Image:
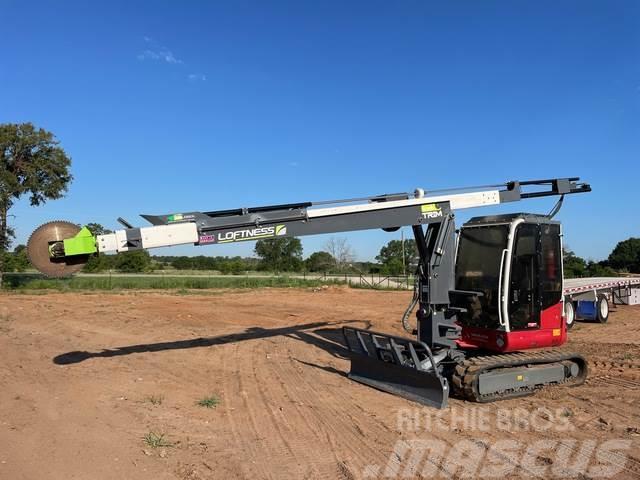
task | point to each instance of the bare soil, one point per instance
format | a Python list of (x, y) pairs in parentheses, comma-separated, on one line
[(85, 376)]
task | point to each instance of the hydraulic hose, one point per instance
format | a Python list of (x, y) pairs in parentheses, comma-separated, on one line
[(416, 296)]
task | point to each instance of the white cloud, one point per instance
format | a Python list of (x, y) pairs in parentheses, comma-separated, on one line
[(157, 52), (197, 77), (162, 55)]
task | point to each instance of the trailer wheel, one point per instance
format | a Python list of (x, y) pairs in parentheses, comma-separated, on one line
[(569, 313), (602, 309)]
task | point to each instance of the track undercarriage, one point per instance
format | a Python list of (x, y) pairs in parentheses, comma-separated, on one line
[(489, 378), (410, 369)]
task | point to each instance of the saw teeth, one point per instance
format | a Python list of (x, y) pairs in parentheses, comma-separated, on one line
[(38, 250)]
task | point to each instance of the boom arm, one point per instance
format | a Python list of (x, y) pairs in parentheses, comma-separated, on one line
[(388, 212)]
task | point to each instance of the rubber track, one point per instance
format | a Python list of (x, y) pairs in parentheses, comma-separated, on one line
[(467, 373)]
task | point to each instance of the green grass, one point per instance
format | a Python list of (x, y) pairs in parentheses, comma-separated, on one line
[(182, 284), (156, 440), (208, 402)]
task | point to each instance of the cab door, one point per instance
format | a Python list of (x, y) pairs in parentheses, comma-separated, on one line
[(524, 282)]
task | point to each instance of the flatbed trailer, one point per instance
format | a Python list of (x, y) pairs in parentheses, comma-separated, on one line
[(589, 298)]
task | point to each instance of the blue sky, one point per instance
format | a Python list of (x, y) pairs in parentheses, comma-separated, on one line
[(178, 106)]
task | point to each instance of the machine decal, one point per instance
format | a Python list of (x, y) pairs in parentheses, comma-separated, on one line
[(431, 210), (250, 234), (207, 239), (179, 217)]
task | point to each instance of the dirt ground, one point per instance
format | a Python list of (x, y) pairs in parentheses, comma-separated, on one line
[(84, 377)]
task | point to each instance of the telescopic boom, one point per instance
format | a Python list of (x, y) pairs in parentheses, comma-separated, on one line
[(60, 249)]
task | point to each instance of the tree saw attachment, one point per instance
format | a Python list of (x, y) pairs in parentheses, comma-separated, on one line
[(59, 249)]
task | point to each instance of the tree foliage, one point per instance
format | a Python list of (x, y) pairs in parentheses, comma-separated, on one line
[(234, 265), (626, 255), (99, 263), (574, 266), (97, 229), (577, 267), (135, 261), (391, 257), (280, 254), (16, 261), (32, 164), (320, 262)]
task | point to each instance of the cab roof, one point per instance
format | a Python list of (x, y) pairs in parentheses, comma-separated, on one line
[(510, 217)]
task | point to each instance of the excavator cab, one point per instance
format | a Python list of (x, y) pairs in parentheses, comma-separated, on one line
[(503, 282), (513, 264)]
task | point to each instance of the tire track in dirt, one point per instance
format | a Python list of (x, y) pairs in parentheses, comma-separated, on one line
[(273, 391), (334, 419), (271, 438), (234, 390), (279, 372)]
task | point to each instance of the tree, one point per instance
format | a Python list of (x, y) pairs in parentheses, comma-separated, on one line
[(391, 256), (182, 263), (99, 263), (97, 229), (280, 254), (135, 261), (574, 266), (340, 250), (320, 262), (626, 255), (32, 163), (600, 269), (16, 261)]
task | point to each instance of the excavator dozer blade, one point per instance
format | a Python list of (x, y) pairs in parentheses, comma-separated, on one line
[(395, 365), (48, 238)]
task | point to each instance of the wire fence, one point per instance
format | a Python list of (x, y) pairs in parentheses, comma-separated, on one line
[(366, 280)]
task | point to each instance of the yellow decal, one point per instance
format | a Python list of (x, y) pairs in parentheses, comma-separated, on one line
[(556, 332), (429, 207), (520, 378)]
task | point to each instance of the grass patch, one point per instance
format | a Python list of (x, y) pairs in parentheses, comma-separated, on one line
[(155, 399), (182, 285), (156, 440), (208, 402)]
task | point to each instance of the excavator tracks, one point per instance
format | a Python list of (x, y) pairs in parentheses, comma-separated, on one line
[(498, 377)]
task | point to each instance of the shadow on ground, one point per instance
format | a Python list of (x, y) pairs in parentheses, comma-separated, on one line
[(325, 335)]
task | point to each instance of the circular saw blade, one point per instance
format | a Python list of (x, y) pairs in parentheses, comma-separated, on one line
[(38, 250)]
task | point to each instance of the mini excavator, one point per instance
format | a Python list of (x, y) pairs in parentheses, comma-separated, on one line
[(488, 297)]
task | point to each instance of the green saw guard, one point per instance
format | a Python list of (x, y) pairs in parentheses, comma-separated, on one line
[(84, 243)]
